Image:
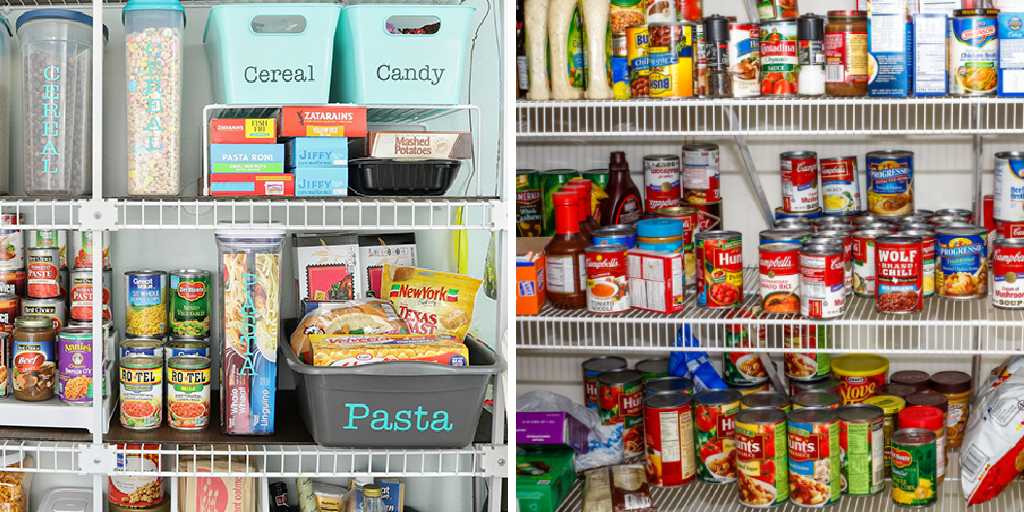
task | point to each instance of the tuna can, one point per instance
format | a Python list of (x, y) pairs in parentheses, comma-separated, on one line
[(43, 272), (914, 469), (961, 269), (766, 399), (652, 368), (890, 182), (720, 269), (817, 398), (669, 384), (822, 270), (799, 181), (189, 314), (637, 38), (49, 238), (899, 271), (701, 174), (780, 61), (187, 347), (622, 234), (56, 309), (142, 392), (607, 287), (891, 407), (9, 310), (840, 184), (1008, 273), (81, 294), (661, 182), (592, 368), (780, 277), (846, 236), (807, 366), (761, 457), (709, 215), (668, 433), (862, 441), (794, 236), (814, 457), (12, 280), (620, 399), (188, 392), (826, 383), (864, 261), (1008, 199), (973, 52), (745, 59), (714, 412)]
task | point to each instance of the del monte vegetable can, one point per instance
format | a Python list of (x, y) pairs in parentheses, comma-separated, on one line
[(761, 457), (914, 471), (715, 428), (190, 303)]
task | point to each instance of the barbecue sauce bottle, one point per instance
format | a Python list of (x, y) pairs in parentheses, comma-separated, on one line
[(587, 223), (564, 259), (624, 203)]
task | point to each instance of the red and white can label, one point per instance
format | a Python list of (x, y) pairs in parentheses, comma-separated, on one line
[(864, 266), (43, 275), (607, 279), (701, 177), (821, 285), (661, 182), (1006, 229), (840, 187), (780, 276), (668, 435), (899, 271), (800, 184), (1008, 276)]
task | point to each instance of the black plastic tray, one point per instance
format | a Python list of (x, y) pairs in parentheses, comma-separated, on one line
[(386, 177)]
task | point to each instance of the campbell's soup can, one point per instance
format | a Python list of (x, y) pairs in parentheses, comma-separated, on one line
[(1006, 229), (961, 267), (719, 269), (927, 257), (899, 274), (661, 182), (1008, 273), (840, 184), (800, 181), (607, 274), (620, 399), (1008, 199), (81, 294), (43, 273), (822, 292), (745, 59), (780, 277), (12, 241), (668, 434), (846, 236), (701, 174), (890, 177)]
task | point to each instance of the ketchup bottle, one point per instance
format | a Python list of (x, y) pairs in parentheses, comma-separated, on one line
[(564, 260), (624, 204), (587, 223)]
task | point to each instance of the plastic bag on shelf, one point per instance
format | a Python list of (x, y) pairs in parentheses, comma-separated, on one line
[(604, 442), (991, 456), (693, 365)]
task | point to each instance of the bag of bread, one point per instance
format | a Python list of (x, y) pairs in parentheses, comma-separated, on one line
[(364, 316), (991, 455), (431, 302)]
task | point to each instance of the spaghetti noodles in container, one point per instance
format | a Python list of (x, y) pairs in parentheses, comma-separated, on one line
[(250, 312)]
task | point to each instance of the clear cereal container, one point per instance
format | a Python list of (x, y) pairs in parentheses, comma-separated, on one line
[(153, 68), (5, 102), (15, 484), (56, 53)]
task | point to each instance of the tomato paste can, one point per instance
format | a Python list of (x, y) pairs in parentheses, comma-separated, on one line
[(12, 241), (55, 308), (668, 434), (800, 181), (826, 383), (592, 368), (961, 267), (43, 272), (709, 215), (690, 218), (846, 236), (49, 238), (745, 59), (81, 294), (607, 287), (859, 375), (719, 269), (793, 236), (927, 257), (744, 366), (714, 412), (840, 184), (914, 467), (822, 292), (661, 182), (12, 280), (780, 61), (807, 366), (701, 174), (637, 38), (1008, 199), (862, 441), (1008, 273), (973, 52), (864, 261), (761, 457), (817, 398), (899, 273), (890, 182), (620, 399), (780, 277), (766, 399), (670, 384), (814, 457), (623, 234)]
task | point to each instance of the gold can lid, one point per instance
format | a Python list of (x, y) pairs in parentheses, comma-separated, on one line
[(373, 491)]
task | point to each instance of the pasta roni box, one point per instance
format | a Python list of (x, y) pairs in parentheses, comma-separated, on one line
[(1011, 54), (929, 54), (247, 158), (888, 60), (252, 184)]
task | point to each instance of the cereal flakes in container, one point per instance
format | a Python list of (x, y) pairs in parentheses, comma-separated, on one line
[(15, 485)]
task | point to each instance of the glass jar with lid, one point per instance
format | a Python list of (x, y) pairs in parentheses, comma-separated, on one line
[(33, 361), (846, 54)]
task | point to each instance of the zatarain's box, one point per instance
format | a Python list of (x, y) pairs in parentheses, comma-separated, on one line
[(323, 121)]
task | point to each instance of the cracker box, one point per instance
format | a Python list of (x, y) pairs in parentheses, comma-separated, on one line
[(543, 479), (243, 131), (247, 158), (451, 145), (323, 121), (655, 280), (252, 184), (375, 251), (316, 152), (325, 266), (321, 181)]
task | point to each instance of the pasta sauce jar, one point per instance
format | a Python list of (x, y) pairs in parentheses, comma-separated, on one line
[(899, 274), (846, 53)]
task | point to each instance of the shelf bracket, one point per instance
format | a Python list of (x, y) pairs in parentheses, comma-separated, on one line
[(98, 214), (493, 459), (748, 163), (499, 216), (97, 459)]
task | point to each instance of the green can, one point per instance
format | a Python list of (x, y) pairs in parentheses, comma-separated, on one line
[(653, 368), (529, 210), (862, 448), (598, 177), (913, 467), (190, 303), (552, 181)]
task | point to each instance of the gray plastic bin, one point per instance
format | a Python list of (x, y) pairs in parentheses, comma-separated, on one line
[(395, 404)]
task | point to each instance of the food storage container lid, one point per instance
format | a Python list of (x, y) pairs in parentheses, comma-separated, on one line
[(860, 365), (251, 234), (7, 25), (659, 227), (33, 322), (153, 5), (11, 459), (58, 14), (951, 383), (67, 500)]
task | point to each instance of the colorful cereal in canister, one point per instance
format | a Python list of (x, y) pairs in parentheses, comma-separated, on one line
[(719, 269), (862, 442), (961, 271), (716, 447), (591, 369), (761, 457), (913, 467), (780, 277), (1008, 273), (142, 392), (146, 302), (814, 458), (859, 375), (74, 365), (890, 182), (188, 392), (620, 397), (668, 434), (154, 113), (190, 303)]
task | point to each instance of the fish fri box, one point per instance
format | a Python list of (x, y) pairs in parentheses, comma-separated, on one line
[(252, 184), (315, 152), (449, 145), (375, 251), (655, 280), (323, 121), (247, 158), (888, 59), (1011, 54), (325, 266), (930, 54), (243, 131), (321, 181)]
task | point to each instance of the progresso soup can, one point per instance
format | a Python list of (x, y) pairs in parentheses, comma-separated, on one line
[(890, 182), (814, 457), (973, 52), (961, 267)]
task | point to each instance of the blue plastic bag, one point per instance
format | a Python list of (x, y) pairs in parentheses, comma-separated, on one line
[(693, 365)]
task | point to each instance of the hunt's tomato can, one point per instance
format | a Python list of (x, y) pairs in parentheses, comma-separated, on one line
[(800, 181), (1008, 273), (822, 274), (899, 272), (620, 397), (607, 287), (859, 375), (719, 269), (840, 184), (780, 277), (761, 457), (592, 368), (668, 432), (814, 457), (716, 432), (661, 182)]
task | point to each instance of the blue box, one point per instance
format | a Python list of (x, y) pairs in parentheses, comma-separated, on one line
[(321, 181), (1011, 54), (929, 65), (316, 152), (247, 158), (887, 48)]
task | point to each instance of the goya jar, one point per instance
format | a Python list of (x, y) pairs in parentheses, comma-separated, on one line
[(859, 375), (846, 53)]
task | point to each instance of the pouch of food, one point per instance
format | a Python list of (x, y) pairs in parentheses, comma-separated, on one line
[(622, 488), (991, 455), (431, 302), (364, 316)]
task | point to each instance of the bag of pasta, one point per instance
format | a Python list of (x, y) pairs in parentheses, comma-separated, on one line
[(364, 316), (431, 302)]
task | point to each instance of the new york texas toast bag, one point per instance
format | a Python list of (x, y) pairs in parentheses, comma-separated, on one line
[(431, 302), (991, 455)]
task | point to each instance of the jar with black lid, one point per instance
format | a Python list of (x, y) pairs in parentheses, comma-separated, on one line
[(716, 51)]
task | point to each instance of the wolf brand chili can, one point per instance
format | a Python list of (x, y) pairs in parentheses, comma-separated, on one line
[(961, 269), (780, 277), (142, 392), (607, 286), (701, 174), (670, 384), (862, 442), (637, 39), (189, 314), (714, 412), (620, 396), (973, 52), (864, 261), (1008, 199), (43, 273), (806, 366), (927, 257), (840, 184), (817, 398), (592, 368), (859, 375), (623, 234), (838, 232), (49, 238), (890, 182), (814, 457), (55, 309), (719, 269), (188, 392), (1008, 273), (899, 270), (761, 457), (780, 61), (661, 181), (745, 58), (914, 468), (821, 282), (668, 432), (799, 180), (81, 294)]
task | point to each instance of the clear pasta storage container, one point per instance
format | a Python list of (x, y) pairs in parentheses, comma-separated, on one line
[(250, 315)]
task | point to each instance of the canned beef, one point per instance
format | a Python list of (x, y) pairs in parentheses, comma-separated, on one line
[(761, 457), (591, 369), (607, 289), (81, 294), (668, 434), (840, 185), (661, 181), (43, 273), (961, 269), (720, 269), (799, 181), (1008, 200), (780, 277), (715, 428), (821, 282), (620, 397), (890, 182), (701, 174), (1008, 273), (814, 457), (864, 261), (900, 274), (862, 440), (806, 366)]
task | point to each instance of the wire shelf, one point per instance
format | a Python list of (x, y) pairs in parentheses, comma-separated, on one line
[(942, 327)]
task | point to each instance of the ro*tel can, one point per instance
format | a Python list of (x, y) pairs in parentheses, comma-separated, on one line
[(914, 469), (927, 256), (862, 440), (607, 275), (780, 277), (814, 457), (822, 293), (864, 261), (620, 397), (188, 392), (761, 457), (719, 269), (142, 390), (189, 315), (661, 181), (623, 234), (859, 375), (840, 184), (716, 432), (1008, 200), (668, 432), (1008, 273), (799, 181), (961, 269), (899, 271), (701, 174), (890, 182), (592, 368)]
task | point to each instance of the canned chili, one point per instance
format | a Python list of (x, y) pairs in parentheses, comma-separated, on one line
[(780, 277), (607, 275), (661, 182), (826, 383), (720, 269), (847, 238), (81, 294), (622, 234), (591, 369), (914, 467), (927, 256), (769, 399), (859, 375), (814, 457), (822, 271), (13, 281), (761, 457), (668, 434), (961, 269), (899, 270), (714, 417), (806, 366), (840, 185), (43, 272), (864, 280), (701, 174), (670, 384), (188, 392), (786, 235), (799, 180), (744, 367), (817, 398), (142, 392), (890, 182), (620, 396), (1008, 273), (862, 440)]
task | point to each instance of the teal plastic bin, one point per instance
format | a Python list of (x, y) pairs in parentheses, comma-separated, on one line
[(376, 66), (271, 53)]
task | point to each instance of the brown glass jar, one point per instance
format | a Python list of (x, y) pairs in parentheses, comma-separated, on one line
[(846, 54), (956, 387), (33, 358)]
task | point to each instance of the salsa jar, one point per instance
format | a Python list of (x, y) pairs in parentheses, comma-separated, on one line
[(846, 53)]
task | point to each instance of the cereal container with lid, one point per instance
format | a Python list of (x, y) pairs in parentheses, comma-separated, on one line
[(5, 101), (153, 69)]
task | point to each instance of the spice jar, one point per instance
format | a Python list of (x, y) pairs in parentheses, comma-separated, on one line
[(35, 368), (891, 407), (956, 386), (716, 52), (846, 53), (663, 235), (930, 419), (15, 484), (810, 34)]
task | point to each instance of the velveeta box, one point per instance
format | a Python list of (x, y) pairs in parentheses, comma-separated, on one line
[(323, 121)]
